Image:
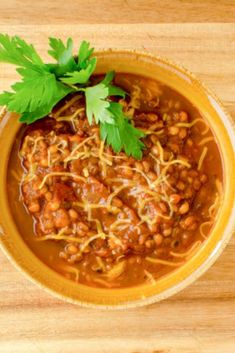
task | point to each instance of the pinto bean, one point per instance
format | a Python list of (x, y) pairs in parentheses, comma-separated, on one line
[(34, 207), (175, 198), (61, 218), (184, 208)]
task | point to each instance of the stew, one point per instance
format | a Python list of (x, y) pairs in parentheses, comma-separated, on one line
[(106, 219)]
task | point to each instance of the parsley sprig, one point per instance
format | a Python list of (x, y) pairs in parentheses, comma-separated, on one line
[(43, 85)]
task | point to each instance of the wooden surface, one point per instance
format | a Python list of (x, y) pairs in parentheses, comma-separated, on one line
[(200, 319)]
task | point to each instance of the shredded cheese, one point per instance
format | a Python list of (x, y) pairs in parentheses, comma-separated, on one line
[(119, 222), (189, 252), (67, 105), (150, 277), (61, 174), (91, 239), (202, 157), (70, 269), (70, 117), (207, 223), (111, 196), (152, 132), (103, 163), (59, 237), (137, 171), (87, 206), (164, 262), (206, 140), (195, 121)]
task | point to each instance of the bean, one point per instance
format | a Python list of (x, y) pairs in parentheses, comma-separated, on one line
[(153, 138), (66, 152), (44, 162), (152, 117), (163, 207), (48, 223), (138, 259), (63, 255), (158, 238), (42, 144), (193, 173), (48, 196), (173, 130), (139, 166), (189, 142), (83, 226), (142, 239), (188, 193), (43, 191), (146, 166), (180, 185), (167, 232), (54, 205), (75, 138), (203, 178), (73, 214), (152, 227), (196, 184), (186, 237), (184, 208), (183, 133), (34, 207), (174, 147), (61, 218), (53, 149), (183, 116), (190, 180), (71, 249), (125, 172), (149, 243), (155, 150), (152, 176), (183, 174), (189, 221), (175, 198), (117, 202)]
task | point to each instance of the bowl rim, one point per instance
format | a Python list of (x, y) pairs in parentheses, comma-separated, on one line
[(204, 265)]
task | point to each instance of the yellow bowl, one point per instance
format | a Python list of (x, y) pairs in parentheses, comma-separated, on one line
[(220, 122)]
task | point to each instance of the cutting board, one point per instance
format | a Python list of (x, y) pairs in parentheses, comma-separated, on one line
[(200, 319)]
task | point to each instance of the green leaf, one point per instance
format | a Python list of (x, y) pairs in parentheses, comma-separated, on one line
[(14, 50), (38, 89), (121, 134), (82, 76), (96, 105), (113, 90), (5, 98), (63, 54), (116, 91), (44, 110), (108, 78), (84, 54)]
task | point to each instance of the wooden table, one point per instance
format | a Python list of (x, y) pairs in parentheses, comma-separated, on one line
[(200, 319)]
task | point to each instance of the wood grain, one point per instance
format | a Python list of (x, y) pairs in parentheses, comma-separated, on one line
[(200, 319), (117, 11)]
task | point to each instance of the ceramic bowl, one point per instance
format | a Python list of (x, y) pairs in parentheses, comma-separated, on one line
[(220, 122)]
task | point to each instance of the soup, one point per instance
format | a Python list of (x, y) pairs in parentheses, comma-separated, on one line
[(106, 219)]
